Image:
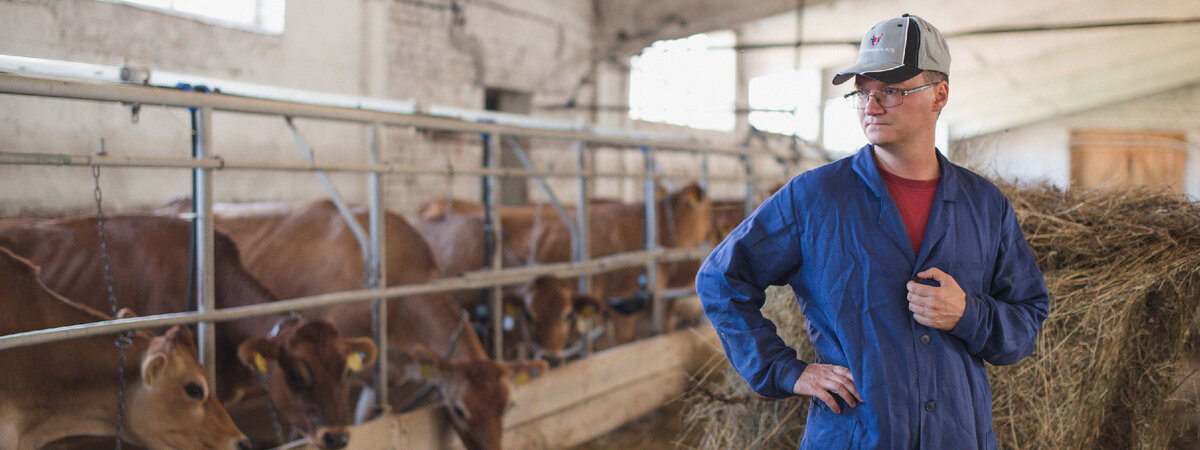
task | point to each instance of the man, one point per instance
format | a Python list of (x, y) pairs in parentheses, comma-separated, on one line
[(911, 271)]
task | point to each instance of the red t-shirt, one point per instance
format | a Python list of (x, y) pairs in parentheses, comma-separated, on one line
[(915, 199)]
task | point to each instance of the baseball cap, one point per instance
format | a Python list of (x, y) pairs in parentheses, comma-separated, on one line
[(898, 49)]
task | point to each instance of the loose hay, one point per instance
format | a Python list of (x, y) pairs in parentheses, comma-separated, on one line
[(1123, 269)]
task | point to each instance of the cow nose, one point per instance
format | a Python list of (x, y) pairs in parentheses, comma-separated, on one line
[(554, 360), (336, 440), (244, 444)]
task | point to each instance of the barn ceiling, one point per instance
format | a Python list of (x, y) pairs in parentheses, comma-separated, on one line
[(1015, 62)]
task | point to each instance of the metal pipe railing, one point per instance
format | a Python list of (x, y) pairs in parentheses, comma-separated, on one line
[(376, 114), (145, 95), (472, 280), (216, 162), (375, 267), (205, 269)]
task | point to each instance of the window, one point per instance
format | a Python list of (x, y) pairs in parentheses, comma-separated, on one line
[(787, 103), (683, 82), (262, 16)]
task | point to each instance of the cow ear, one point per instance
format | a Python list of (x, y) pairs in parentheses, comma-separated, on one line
[(359, 352), (256, 353), (152, 368), (525, 371), (428, 363), (586, 306), (512, 303), (695, 193), (416, 363)]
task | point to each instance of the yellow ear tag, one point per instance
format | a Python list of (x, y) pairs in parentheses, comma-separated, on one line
[(260, 363), (355, 361), (587, 312), (427, 371), (510, 310), (521, 379), (150, 379)]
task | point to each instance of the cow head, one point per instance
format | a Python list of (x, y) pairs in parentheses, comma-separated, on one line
[(685, 218), (475, 393), (551, 311), (306, 365), (172, 406)]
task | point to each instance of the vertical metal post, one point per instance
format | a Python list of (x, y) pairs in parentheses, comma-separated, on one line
[(376, 268), (580, 249), (748, 201), (651, 203), (203, 230), (492, 236)]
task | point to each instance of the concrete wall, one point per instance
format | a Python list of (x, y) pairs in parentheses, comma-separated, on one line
[(1041, 152), (422, 51), (322, 49)]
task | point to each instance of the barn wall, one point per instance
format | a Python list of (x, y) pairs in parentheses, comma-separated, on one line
[(1041, 152), (422, 51), (320, 50)]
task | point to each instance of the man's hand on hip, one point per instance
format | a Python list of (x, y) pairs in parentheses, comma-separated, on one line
[(937, 307), (823, 381)]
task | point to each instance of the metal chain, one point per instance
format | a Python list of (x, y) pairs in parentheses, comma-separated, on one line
[(123, 340), (274, 415)]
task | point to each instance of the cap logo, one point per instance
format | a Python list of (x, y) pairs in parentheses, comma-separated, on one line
[(875, 39)]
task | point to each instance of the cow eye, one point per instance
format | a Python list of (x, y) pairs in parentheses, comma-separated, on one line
[(459, 412), (194, 390), (297, 379)]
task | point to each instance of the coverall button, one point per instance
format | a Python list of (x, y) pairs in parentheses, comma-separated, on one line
[(925, 339), (930, 405)]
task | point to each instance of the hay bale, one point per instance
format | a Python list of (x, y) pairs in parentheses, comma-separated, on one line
[(1123, 270)]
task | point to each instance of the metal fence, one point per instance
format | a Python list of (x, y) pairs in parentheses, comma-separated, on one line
[(86, 82)]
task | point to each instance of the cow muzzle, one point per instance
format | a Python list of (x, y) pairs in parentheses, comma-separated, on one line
[(332, 438)]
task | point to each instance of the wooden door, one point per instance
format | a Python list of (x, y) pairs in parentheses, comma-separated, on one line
[(1128, 158)]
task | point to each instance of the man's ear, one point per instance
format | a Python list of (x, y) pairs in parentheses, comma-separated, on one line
[(941, 95), (359, 352), (257, 353)]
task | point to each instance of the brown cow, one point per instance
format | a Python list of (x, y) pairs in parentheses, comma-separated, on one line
[(538, 234), (539, 318), (304, 249), (727, 215), (303, 362), (68, 388)]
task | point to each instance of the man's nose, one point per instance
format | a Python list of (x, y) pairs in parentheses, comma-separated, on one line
[(873, 106)]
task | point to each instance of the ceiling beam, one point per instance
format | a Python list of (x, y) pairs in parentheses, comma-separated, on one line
[(1096, 73)]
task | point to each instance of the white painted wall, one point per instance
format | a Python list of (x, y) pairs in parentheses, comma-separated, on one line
[(1041, 151), (320, 50), (401, 50)]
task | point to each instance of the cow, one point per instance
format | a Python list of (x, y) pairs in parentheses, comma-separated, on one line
[(306, 248), (56, 390), (299, 364), (727, 215), (540, 317), (537, 234)]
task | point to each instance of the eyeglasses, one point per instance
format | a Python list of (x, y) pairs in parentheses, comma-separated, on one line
[(888, 97)]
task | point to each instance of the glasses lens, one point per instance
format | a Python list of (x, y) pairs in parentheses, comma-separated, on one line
[(857, 99), (889, 97)]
